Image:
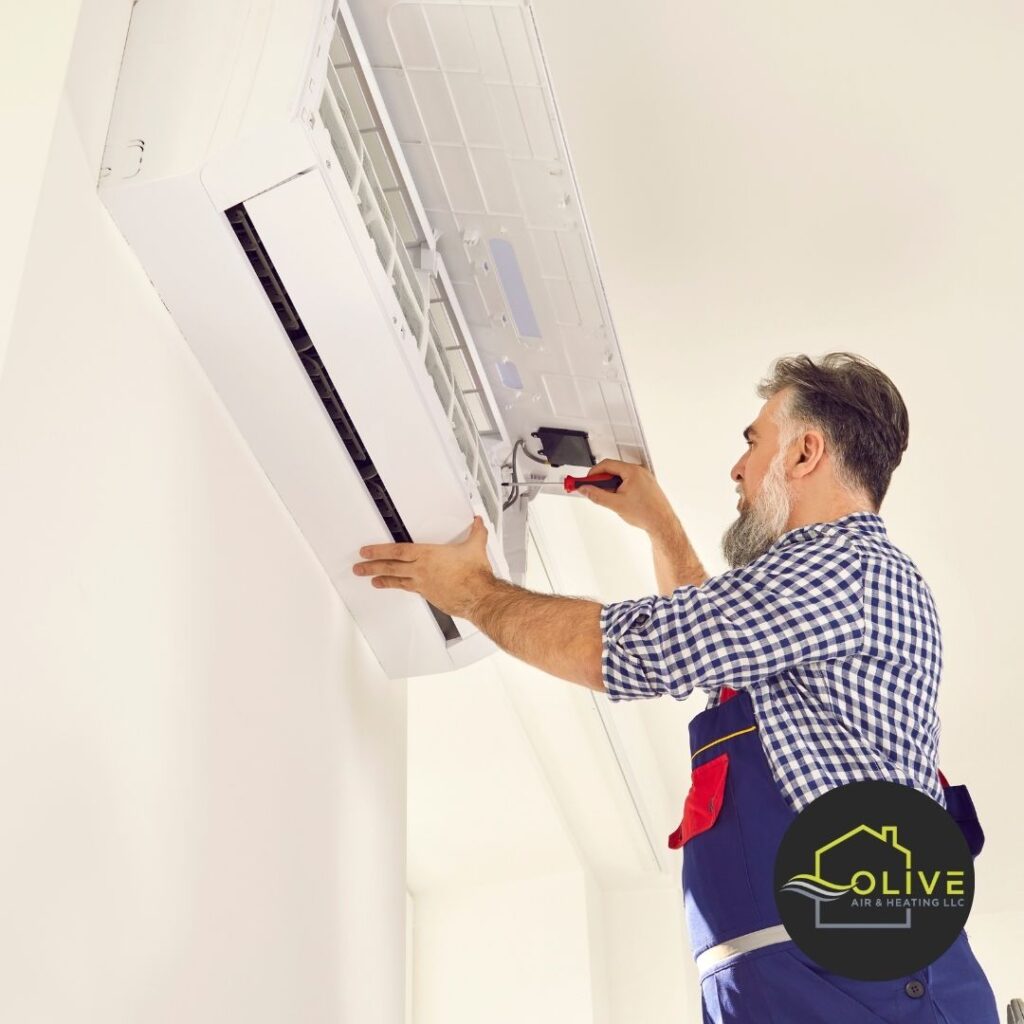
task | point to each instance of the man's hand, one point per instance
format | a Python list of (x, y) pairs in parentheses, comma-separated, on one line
[(639, 501), (560, 635), (452, 577)]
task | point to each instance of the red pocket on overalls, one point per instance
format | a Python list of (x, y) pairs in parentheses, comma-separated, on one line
[(703, 802)]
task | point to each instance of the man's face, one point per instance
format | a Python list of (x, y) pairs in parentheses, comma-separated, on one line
[(765, 497)]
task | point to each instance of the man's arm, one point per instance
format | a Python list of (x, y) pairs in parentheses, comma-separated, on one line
[(675, 562), (559, 635), (641, 502), (797, 603)]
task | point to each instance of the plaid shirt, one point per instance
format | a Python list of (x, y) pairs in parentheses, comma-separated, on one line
[(834, 634)]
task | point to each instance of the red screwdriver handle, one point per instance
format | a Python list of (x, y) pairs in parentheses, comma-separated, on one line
[(606, 481)]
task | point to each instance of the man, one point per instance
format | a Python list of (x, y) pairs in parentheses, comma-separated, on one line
[(820, 653)]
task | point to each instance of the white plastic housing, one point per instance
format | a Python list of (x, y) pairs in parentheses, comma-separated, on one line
[(219, 104)]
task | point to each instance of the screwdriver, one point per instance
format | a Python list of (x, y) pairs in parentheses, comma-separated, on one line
[(606, 481)]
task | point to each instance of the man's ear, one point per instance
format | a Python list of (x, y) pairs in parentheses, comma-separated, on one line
[(810, 452)]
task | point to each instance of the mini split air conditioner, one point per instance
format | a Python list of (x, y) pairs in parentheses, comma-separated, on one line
[(365, 223)]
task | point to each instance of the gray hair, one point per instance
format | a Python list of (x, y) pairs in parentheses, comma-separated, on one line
[(855, 406)]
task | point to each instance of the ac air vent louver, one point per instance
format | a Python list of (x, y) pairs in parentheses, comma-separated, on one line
[(313, 365)]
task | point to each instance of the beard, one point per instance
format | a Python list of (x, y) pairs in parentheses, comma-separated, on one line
[(763, 521)]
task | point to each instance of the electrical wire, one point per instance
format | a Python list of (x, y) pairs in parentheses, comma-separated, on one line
[(514, 496)]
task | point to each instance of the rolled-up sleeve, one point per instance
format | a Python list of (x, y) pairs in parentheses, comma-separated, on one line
[(797, 603)]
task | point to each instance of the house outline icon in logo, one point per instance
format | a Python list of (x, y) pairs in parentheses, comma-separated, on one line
[(816, 886)]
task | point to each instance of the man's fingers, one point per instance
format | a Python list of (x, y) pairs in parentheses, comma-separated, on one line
[(399, 552), (390, 567), (597, 494), (629, 471), (476, 529), (611, 466), (392, 582)]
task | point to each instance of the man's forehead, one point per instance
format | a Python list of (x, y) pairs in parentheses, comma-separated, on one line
[(760, 426)]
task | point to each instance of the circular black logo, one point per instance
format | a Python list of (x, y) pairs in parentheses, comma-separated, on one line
[(874, 880)]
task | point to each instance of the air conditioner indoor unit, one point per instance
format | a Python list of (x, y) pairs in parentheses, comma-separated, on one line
[(364, 220)]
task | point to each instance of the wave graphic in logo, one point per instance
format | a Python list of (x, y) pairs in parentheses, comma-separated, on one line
[(815, 888)]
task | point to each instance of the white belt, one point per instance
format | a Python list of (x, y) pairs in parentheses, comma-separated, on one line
[(741, 944)]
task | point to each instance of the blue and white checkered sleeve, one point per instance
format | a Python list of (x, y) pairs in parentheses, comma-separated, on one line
[(798, 603)]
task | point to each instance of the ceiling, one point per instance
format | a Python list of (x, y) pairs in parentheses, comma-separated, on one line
[(802, 177)]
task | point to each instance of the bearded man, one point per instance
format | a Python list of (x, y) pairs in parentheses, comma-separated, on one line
[(820, 654)]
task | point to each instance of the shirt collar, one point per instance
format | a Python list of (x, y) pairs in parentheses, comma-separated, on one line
[(869, 523)]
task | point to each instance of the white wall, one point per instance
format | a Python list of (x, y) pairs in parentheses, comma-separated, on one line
[(651, 975), (34, 47), (203, 769), (998, 942), (506, 952), (553, 949)]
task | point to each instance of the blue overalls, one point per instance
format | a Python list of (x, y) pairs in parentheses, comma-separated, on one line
[(733, 822)]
